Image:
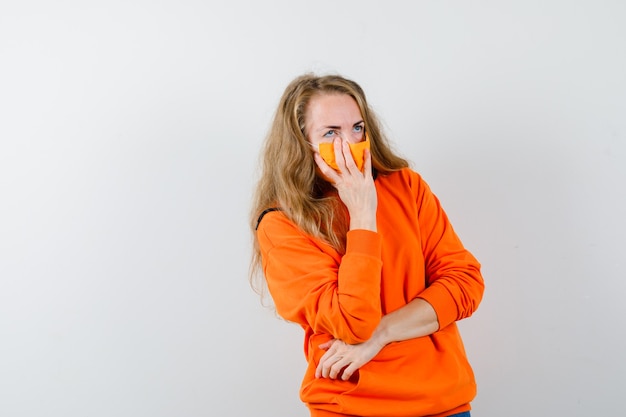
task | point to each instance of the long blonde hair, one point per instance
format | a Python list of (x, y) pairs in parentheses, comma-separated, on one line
[(288, 177)]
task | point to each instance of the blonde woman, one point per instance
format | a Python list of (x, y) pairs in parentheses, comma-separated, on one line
[(356, 249)]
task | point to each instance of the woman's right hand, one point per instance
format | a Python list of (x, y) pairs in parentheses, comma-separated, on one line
[(356, 189)]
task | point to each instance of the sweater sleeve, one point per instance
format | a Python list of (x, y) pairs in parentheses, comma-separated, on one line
[(454, 284), (314, 286)]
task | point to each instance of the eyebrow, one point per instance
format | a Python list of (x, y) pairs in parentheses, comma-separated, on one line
[(339, 127)]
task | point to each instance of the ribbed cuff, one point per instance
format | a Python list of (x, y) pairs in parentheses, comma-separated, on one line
[(365, 242), (442, 301)]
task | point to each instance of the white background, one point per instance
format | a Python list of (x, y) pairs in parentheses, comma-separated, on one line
[(129, 137)]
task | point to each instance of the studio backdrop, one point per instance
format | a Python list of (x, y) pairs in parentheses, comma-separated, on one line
[(129, 141)]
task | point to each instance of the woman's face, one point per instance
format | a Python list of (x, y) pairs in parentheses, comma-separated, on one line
[(329, 116)]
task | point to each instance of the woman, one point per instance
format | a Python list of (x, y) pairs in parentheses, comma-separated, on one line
[(356, 249)]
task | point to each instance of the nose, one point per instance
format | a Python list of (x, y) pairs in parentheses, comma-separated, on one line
[(352, 137)]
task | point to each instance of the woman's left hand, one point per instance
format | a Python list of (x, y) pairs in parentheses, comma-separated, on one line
[(342, 360)]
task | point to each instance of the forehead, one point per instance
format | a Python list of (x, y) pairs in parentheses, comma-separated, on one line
[(332, 109)]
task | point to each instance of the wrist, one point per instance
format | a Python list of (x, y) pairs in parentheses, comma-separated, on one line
[(380, 337), (366, 223)]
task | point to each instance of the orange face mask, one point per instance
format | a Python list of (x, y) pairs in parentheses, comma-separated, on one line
[(327, 152)]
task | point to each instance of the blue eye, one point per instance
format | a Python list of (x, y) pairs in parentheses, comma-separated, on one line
[(329, 133), (358, 129)]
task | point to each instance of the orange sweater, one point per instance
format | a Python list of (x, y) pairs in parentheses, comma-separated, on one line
[(415, 253)]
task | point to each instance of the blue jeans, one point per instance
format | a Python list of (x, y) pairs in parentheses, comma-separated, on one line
[(465, 414)]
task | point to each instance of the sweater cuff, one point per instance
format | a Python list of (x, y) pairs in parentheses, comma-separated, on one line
[(442, 302), (364, 241)]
